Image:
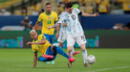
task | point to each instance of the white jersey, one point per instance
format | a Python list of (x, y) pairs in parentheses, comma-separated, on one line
[(73, 24), (62, 32), (73, 32)]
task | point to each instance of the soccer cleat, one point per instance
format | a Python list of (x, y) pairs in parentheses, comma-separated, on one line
[(71, 60), (48, 56), (76, 52)]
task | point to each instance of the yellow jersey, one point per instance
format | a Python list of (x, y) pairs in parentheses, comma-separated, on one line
[(48, 20), (41, 48)]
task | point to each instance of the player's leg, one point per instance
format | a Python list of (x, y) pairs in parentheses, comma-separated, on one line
[(48, 56), (81, 40), (61, 38), (56, 50), (84, 54), (52, 37), (60, 41), (73, 52), (49, 38), (43, 59), (60, 51), (70, 44)]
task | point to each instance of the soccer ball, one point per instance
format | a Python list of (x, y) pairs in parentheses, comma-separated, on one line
[(91, 59)]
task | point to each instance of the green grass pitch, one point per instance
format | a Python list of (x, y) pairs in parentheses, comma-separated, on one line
[(107, 60)]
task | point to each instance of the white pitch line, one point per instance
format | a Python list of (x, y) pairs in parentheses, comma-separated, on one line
[(111, 68)]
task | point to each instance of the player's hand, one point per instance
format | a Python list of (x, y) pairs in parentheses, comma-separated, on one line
[(96, 14), (57, 35), (29, 43), (64, 24), (50, 27)]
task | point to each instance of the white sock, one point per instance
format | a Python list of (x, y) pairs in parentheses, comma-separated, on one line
[(84, 54)]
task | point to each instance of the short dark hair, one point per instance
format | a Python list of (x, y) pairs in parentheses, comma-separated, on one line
[(48, 3), (68, 5)]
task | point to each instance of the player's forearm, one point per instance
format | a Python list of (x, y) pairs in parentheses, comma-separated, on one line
[(36, 25), (64, 24), (39, 43), (54, 26), (87, 14)]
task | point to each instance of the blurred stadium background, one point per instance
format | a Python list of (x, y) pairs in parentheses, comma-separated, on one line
[(105, 33), (109, 30)]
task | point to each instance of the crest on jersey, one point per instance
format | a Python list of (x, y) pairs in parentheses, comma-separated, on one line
[(73, 17)]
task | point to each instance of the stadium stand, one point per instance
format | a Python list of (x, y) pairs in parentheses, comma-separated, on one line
[(32, 7)]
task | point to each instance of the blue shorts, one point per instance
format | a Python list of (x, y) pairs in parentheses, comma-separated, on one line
[(50, 51), (50, 38)]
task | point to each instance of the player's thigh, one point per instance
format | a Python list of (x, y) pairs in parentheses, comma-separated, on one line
[(52, 38), (61, 38), (49, 51), (81, 40), (70, 41)]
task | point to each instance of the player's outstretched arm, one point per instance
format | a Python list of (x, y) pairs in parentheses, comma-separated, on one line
[(88, 14), (64, 24), (54, 26), (35, 59), (43, 41), (35, 27)]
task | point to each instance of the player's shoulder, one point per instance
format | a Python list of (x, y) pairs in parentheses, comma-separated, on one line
[(76, 10), (42, 14), (53, 12), (40, 36), (63, 14)]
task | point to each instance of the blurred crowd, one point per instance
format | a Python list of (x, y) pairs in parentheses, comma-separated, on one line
[(33, 7)]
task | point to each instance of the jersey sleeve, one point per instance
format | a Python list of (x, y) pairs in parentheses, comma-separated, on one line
[(56, 16), (40, 18), (76, 10), (34, 48), (62, 18)]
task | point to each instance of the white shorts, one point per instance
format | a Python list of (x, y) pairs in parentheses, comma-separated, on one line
[(62, 37), (71, 40)]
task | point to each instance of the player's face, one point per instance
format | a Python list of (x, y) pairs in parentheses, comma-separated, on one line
[(34, 35), (69, 10), (48, 8)]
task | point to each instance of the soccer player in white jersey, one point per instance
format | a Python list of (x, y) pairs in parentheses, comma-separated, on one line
[(71, 30), (61, 33), (74, 30)]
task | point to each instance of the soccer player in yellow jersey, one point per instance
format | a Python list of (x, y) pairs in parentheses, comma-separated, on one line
[(47, 50), (48, 18)]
